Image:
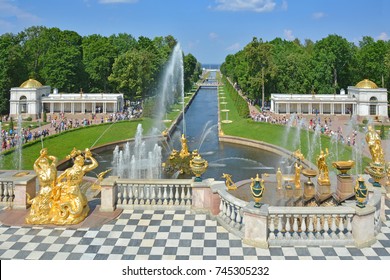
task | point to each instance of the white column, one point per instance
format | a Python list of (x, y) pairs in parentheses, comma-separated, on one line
[(321, 108), (83, 107), (343, 108), (62, 107), (72, 107), (104, 108), (51, 108)]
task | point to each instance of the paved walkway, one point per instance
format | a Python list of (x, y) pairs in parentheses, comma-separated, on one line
[(165, 235)]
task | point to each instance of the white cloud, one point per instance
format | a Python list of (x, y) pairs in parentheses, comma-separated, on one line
[(12, 17), (288, 34), (258, 6), (383, 36), (117, 1), (234, 47), (213, 36), (318, 15), (9, 10)]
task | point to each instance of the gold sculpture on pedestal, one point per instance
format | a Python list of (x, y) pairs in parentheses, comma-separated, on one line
[(279, 179), (298, 168), (229, 182), (376, 168), (323, 171), (60, 200), (184, 147), (47, 176)]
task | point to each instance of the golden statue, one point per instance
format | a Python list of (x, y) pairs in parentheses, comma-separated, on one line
[(47, 175), (297, 176), (374, 144), (323, 171), (184, 148), (70, 206), (229, 182), (279, 178), (298, 155)]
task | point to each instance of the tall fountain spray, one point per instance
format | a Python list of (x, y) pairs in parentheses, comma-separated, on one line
[(171, 88), (142, 159)]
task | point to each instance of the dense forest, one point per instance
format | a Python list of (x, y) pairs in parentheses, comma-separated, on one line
[(69, 62), (325, 66)]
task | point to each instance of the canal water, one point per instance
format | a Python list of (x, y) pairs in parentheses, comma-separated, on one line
[(201, 120)]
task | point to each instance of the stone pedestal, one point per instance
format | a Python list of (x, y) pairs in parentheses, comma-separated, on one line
[(256, 225), (22, 187), (108, 194), (323, 190), (204, 197), (309, 190), (345, 187), (362, 226)]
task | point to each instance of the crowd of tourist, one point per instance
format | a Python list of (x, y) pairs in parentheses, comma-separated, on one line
[(315, 123), (60, 122)]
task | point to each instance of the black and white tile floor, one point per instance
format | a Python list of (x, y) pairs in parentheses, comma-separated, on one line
[(165, 235)]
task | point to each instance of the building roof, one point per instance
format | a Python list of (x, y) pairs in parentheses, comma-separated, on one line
[(31, 83), (366, 83)]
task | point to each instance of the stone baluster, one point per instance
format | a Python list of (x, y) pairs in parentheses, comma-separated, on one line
[(233, 215), (341, 227), (221, 207), (165, 195), (177, 194), (228, 212), (280, 226), (349, 226), (10, 192), (130, 194), (272, 227), (188, 195), (333, 227), (5, 194), (318, 227), (147, 194), (183, 195), (1, 190), (119, 195), (303, 227), (122, 194), (136, 194), (238, 218), (295, 227), (159, 195), (141, 194), (326, 227), (153, 194), (288, 227), (171, 187), (311, 227)]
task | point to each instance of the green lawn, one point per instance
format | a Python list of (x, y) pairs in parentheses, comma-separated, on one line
[(279, 135)]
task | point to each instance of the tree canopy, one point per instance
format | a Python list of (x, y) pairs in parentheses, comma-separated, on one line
[(69, 62), (325, 66)]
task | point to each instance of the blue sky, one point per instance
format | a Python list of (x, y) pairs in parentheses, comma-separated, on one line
[(209, 29)]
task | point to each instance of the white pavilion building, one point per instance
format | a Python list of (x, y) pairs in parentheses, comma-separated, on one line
[(364, 99), (31, 99)]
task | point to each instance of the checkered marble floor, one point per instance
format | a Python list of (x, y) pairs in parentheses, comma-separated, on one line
[(165, 235)]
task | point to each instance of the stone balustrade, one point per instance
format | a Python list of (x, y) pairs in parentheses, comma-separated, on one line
[(164, 192), (7, 193), (310, 225)]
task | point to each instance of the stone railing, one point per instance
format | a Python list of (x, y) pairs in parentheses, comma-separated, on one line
[(231, 212), (310, 225), (14, 187), (132, 193), (126, 193), (7, 193)]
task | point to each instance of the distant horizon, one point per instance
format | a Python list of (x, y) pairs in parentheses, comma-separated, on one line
[(208, 29)]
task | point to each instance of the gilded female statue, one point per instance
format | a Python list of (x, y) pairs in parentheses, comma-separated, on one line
[(46, 170), (323, 170), (70, 206), (375, 146)]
